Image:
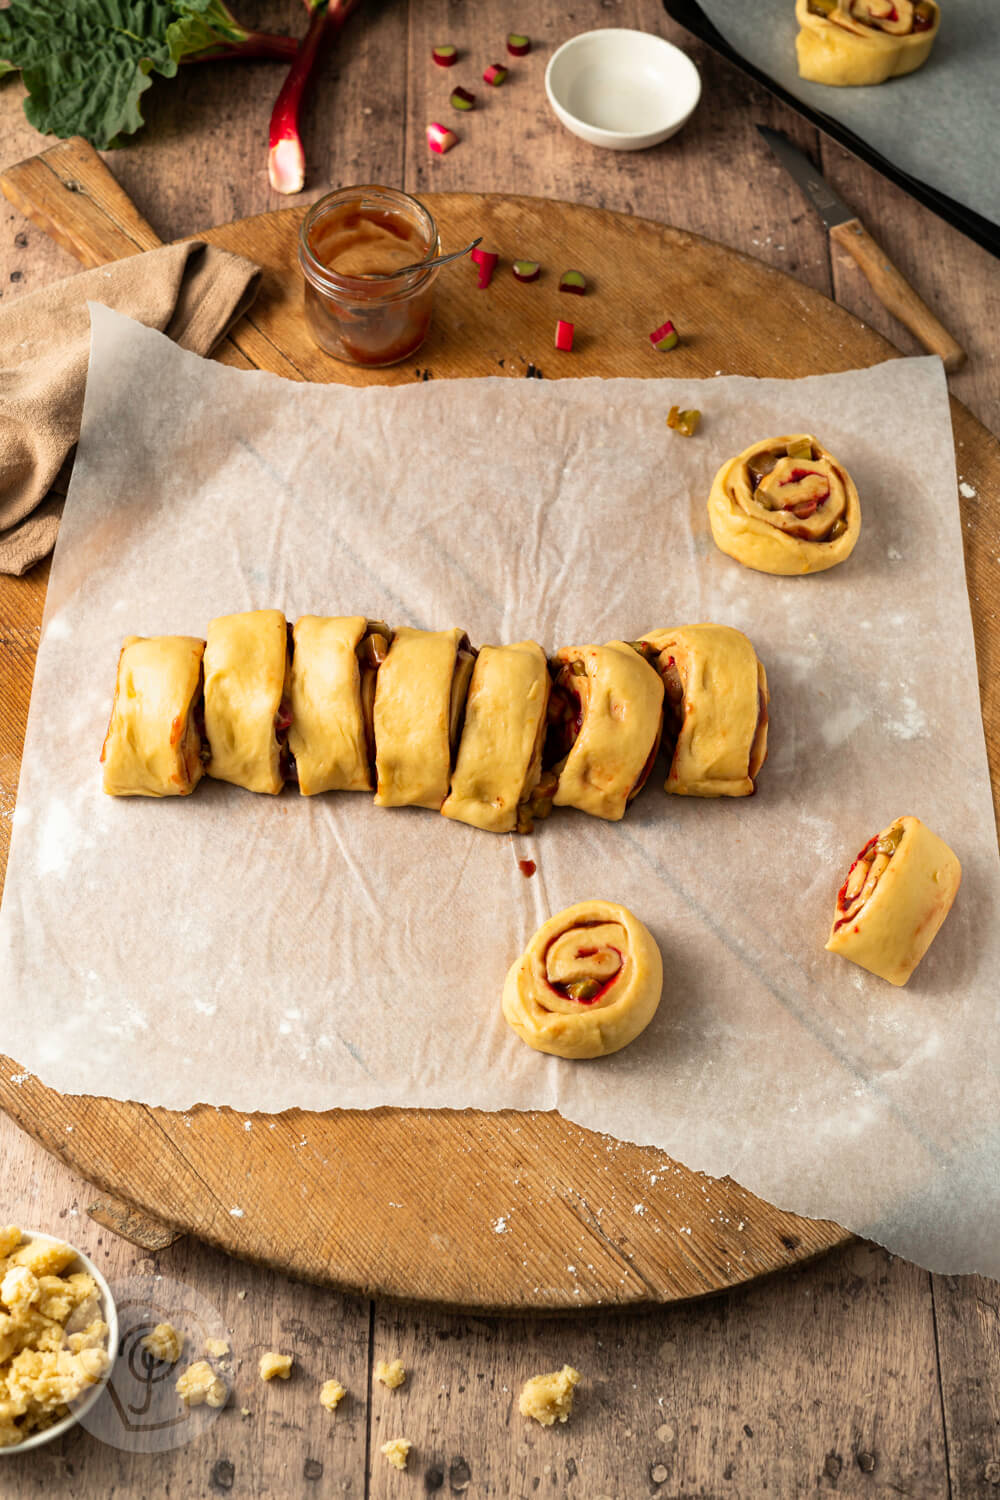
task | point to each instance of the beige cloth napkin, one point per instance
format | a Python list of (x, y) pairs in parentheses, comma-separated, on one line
[(193, 292)]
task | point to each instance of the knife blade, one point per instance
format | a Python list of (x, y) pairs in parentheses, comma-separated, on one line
[(846, 230)]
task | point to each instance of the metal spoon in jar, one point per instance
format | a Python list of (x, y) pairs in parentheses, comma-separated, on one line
[(439, 260)]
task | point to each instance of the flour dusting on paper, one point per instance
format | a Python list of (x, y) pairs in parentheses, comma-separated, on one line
[(271, 952)]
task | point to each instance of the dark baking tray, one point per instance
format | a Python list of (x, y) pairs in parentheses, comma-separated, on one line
[(983, 231)]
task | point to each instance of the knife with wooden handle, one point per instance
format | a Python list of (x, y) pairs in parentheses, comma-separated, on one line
[(846, 229)]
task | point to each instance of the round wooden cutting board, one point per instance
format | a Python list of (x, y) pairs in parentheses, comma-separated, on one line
[(504, 1212)]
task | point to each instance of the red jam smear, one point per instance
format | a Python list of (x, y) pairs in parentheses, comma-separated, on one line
[(527, 867), (842, 893), (558, 989)]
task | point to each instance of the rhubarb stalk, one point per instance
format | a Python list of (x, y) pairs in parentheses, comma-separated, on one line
[(286, 162)]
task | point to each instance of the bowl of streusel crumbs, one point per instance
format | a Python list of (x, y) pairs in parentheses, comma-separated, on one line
[(58, 1336)]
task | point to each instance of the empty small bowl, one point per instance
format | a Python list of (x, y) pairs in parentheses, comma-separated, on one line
[(624, 90), (109, 1312)]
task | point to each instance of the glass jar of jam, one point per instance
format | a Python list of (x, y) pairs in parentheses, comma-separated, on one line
[(353, 245)]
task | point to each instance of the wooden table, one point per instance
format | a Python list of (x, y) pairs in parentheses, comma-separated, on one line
[(860, 1374)]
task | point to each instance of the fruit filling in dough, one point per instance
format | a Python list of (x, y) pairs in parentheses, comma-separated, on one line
[(715, 709), (497, 783), (419, 701), (247, 710), (153, 747), (605, 721), (897, 893), (844, 42), (332, 694), (785, 505), (587, 984)]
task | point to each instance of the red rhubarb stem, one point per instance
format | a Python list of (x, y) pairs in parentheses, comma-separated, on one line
[(286, 162)]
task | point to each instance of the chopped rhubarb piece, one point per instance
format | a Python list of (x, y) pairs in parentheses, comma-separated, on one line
[(486, 264), (445, 56), (526, 270), (518, 46), (573, 281), (440, 138), (495, 74), (684, 422), (564, 335), (462, 99), (665, 337)]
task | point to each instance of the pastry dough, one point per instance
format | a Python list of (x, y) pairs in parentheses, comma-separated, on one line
[(844, 42), (611, 704), (419, 698), (715, 709), (587, 984), (499, 764), (785, 505), (332, 691), (246, 713), (897, 893), (153, 744)]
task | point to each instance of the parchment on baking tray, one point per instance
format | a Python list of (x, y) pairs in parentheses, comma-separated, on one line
[(937, 124), (268, 952)]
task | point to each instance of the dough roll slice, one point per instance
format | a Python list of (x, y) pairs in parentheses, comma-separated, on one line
[(497, 779), (419, 701), (897, 893), (247, 710), (587, 984), (153, 747), (332, 696), (785, 505), (715, 709), (845, 42), (606, 716)]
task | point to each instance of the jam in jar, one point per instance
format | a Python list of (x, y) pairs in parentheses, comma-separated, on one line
[(360, 304)]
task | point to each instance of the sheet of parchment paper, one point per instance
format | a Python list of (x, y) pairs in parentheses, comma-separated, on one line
[(267, 952), (933, 124)]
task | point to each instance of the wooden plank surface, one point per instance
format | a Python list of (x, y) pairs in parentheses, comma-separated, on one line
[(797, 1384)]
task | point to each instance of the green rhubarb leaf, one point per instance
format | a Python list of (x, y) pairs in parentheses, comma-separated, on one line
[(87, 63), (201, 25)]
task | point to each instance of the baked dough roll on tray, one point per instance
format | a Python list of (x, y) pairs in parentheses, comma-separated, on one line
[(896, 896), (715, 709), (605, 721), (153, 747), (587, 984), (332, 698), (785, 505), (857, 42), (247, 711), (420, 696), (498, 782)]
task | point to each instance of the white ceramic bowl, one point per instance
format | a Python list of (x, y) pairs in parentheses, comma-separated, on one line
[(624, 90), (109, 1313)]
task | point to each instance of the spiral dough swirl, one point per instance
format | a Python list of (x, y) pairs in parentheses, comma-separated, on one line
[(587, 984)]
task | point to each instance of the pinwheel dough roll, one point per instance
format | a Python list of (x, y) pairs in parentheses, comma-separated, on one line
[(587, 984), (715, 709), (246, 698), (419, 698), (845, 42), (785, 505), (897, 893), (332, 696), (498, 771), (153, 745), (607, 707)]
